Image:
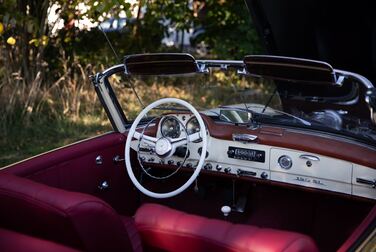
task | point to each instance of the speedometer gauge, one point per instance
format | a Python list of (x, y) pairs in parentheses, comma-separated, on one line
[(170, 127), (193, 126)]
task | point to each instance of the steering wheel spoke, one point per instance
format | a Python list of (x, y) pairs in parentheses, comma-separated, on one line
[(184, 140), (147, 139)]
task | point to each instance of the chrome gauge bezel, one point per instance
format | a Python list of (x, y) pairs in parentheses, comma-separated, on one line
[(190, 133), (177, 131), (190, 121)]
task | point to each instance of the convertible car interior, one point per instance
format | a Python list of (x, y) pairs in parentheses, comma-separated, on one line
[(286, 175), (267, 153)]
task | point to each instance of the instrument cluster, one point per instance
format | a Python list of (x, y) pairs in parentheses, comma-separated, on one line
[(174, 126)]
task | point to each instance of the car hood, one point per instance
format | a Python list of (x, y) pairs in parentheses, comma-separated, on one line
[(342, 33)]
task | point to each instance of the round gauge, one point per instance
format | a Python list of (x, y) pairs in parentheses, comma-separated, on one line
[(285, 162), (193, 126), (170, 127)]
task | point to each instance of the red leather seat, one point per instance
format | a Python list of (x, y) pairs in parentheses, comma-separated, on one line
[(167, 229), (14, 242), (74, 219)]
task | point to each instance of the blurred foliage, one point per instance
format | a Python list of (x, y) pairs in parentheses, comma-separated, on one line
[(45, 64), (227, 28)]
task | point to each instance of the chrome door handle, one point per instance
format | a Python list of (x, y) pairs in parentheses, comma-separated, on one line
[(309, 157), (117, 159)]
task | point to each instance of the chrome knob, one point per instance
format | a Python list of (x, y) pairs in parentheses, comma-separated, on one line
[(103, 185), (178, 163), (99, 160), (227, 169), (264, 175), (170, 162), (208, 166), (218, 167), (226, 210)]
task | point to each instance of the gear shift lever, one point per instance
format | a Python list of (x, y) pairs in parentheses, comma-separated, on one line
[(226, 210)]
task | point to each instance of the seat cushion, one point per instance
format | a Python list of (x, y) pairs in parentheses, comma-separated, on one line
[(167, 229), (74, 219), (14, 242)]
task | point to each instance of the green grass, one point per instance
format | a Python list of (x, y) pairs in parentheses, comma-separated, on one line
[(21, 140)]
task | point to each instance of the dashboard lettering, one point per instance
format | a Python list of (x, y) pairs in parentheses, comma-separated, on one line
[(308, 180)]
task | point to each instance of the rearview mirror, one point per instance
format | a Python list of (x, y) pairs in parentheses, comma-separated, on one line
[(234, 116), (290, 69), (160, 64)]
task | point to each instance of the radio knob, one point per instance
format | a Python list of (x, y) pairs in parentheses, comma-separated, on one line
[(208, 166), (227, 169), (218, 167), (170, 162), (230, 152), (264, 175)]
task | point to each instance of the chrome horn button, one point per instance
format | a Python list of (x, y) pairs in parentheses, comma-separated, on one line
[(162, 147)]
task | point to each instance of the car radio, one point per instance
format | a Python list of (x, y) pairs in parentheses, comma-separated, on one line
[(246, 154)]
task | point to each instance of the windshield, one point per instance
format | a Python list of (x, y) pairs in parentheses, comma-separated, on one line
[(228, 96)]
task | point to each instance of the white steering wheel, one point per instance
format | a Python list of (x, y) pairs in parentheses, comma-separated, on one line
[(165, 146)]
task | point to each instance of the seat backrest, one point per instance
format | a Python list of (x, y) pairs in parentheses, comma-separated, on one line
[(75, 219), (11, 241)]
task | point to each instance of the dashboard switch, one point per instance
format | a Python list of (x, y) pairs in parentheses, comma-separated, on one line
[(208, 166), (170, 162)]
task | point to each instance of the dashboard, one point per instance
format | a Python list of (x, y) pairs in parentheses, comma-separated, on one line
[(244, 156)]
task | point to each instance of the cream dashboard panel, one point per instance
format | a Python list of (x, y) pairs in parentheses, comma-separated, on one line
[(306, 169), (311, 170)]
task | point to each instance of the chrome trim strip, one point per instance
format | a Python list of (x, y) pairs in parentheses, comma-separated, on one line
[(107, 99)]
